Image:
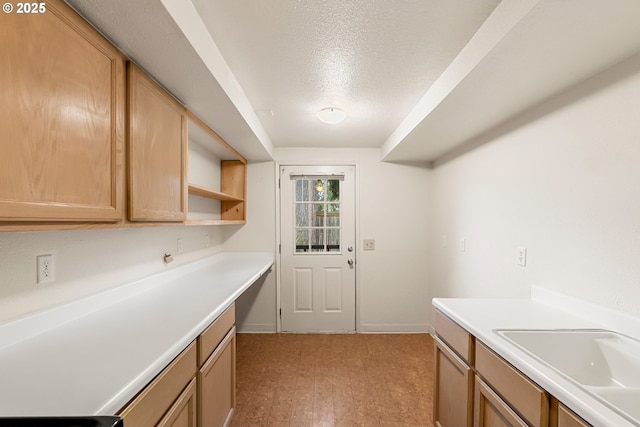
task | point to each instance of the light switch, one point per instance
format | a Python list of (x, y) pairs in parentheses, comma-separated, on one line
[(369, 244)]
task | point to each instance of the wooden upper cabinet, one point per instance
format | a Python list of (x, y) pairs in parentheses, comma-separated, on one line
[(62, 121), (157, 141)]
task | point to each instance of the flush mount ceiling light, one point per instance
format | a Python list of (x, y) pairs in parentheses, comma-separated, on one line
[(331, 115)]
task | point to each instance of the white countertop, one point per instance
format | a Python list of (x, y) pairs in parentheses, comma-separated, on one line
[(91, 356), (545, 310)]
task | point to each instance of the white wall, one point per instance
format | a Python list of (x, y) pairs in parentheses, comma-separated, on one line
[(88, 261), (393, 291), (256, 307), (566, 186)]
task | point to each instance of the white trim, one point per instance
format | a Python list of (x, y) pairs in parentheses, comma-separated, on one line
[(277, 248), (257, 328), (381, 328)]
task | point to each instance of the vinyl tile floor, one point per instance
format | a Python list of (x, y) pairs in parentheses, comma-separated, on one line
[(334, 380)]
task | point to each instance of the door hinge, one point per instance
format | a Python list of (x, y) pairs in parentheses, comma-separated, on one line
[(281, 313), (279, 182), (280, 248)]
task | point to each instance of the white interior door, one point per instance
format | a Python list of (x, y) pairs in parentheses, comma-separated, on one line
[(318, 283)]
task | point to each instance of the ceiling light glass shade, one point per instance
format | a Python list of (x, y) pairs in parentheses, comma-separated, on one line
[(331, 115)]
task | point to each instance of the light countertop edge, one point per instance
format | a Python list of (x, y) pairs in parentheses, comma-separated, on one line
[(545, 310), (91, 356)]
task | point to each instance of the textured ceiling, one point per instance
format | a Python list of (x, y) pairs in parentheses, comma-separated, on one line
[(373, 59), (420, 79)]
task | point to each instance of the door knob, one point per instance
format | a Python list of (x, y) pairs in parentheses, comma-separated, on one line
[(350, 262), (350, 248)]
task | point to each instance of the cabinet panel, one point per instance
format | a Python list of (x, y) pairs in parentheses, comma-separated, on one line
[(527, 398), (183, 411), (561, 416), (215, 333), (453, 389), (460, 340), (157, 141), (491, 411), (216, 385), (233, 174), (62, 121), (148, 408)]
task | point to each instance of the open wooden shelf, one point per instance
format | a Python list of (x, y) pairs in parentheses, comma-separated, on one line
[(201, 191), (217, 176)]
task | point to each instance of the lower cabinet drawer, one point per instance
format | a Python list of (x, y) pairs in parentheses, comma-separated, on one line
[(213, 335), (524, 396), (150, 406), (456, 337)]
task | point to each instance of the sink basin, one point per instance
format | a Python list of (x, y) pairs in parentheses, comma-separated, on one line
[(604, 363)]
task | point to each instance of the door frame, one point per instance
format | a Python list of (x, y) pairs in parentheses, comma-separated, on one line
[(356, 176)]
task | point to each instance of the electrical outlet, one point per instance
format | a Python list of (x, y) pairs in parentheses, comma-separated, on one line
[(444, 241), (522, 256), (463, 245), (46, 269), (369, 244), (207, 242), (179, 248)]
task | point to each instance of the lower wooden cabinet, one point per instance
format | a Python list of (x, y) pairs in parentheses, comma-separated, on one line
[(453, 389), (561, 416), (491, 411), (523, 395), (217, 385), (197, 389), (473, 386), (162, 396), (183, 412)]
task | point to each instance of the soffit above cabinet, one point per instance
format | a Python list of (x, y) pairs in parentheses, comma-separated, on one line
[(149, 35), (419, 80)]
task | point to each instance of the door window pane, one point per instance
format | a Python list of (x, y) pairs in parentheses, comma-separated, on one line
[(302, 214), (317, 211)]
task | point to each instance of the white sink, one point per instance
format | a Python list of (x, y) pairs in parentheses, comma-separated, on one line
[(605, 363)]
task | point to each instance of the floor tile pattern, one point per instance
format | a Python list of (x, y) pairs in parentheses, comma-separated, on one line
[(334, 380)]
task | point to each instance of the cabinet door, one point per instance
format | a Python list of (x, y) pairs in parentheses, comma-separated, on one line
[(217, 384), (491, 410), (157, 138), (561, 416), (183, 411), (62, 121), (522, 394), (453, 389)]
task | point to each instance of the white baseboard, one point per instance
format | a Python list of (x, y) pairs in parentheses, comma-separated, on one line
[(256, 328), (373, 328)]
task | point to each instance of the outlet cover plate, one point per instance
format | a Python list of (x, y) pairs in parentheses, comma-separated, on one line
[(46, 269)]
